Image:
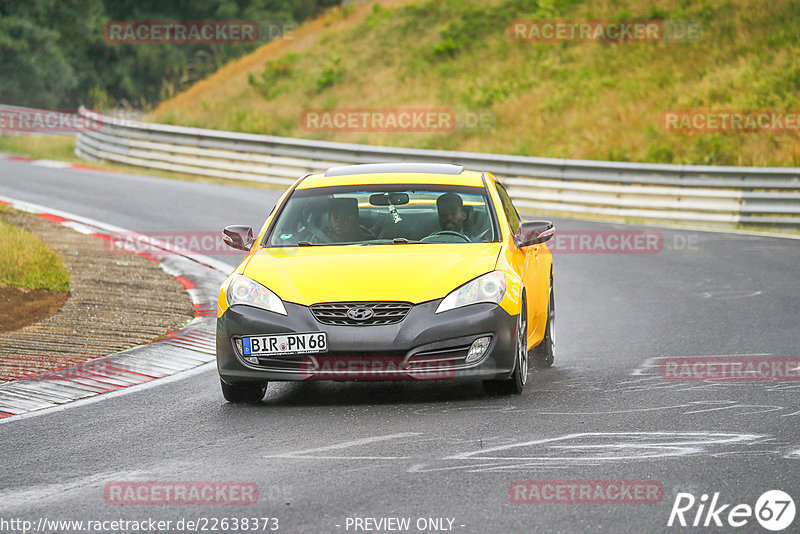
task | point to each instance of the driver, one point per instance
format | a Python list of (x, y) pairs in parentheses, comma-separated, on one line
[(452, 215), (343, 219)]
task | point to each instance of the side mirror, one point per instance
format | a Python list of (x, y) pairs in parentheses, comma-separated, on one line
[(533, 233), (238, 237)]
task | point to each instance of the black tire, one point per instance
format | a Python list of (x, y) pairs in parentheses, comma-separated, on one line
[(249, 392), (543, 354), (516, 383)]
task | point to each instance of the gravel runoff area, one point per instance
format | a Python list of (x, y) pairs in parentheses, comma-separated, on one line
[(117, 301)]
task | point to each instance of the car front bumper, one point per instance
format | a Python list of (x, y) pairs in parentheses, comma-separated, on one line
[(423, 346)]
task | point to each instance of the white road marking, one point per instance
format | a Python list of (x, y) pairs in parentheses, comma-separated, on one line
[(469, 409), (734, 405), (51, 163), (647, 364), (686, 443), (80, 227), (781, 386), (484, 467), (309, 453), (730, 294), (753, 453), (641, 446)]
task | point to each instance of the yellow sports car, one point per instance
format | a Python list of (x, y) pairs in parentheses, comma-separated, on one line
[(385, 272)]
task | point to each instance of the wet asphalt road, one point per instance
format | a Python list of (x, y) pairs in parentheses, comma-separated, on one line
[(444, 454)]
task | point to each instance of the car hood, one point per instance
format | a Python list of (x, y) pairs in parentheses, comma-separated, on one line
[(408, 273)]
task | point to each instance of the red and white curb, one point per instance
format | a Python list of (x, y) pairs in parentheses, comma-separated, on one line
[(183, 349), (53, 164)]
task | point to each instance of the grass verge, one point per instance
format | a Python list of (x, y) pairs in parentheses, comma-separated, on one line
[(596, 100), (27, 262)]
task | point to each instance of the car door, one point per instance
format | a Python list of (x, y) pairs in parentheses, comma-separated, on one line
[(535, 272)]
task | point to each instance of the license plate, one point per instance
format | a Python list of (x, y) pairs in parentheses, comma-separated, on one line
[(285, 344)]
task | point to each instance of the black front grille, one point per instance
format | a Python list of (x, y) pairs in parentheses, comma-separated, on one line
[(336, 313)]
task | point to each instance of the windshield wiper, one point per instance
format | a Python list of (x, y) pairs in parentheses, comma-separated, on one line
[(395, 241), (310, 244)]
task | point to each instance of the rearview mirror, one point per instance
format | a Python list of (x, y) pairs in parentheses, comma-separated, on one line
[(238, 237), (534, 233), (385, 199)]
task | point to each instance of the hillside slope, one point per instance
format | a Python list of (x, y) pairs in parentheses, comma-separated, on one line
[(592, 100)]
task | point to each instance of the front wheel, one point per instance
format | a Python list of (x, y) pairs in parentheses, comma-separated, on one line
[(515, 384), (249, 392), (542, 354)]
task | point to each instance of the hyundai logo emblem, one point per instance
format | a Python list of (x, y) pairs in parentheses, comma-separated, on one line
[(360, 314)]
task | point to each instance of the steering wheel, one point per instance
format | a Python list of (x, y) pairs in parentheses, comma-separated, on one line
[(317, 232), (483, 235), (449, 232), (367, 233), (323, 236)]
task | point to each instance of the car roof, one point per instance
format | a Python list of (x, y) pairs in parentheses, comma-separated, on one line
[(394, 173)]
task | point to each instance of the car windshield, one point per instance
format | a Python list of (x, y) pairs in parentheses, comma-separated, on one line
[(380, 215)]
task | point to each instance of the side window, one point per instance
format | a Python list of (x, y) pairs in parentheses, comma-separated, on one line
[(511, 212)]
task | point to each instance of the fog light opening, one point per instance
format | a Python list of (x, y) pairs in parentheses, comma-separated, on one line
[(477, 348), (247, 357)]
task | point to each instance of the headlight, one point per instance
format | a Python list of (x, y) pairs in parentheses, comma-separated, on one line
[(243, 290), (491, 287)]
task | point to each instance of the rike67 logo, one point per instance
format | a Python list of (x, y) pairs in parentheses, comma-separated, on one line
[(774, 510)]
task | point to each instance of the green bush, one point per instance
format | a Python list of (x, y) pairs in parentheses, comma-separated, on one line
[(330, 74), (274, 71)]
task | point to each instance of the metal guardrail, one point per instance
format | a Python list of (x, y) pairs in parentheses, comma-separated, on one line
[(716, 195)]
